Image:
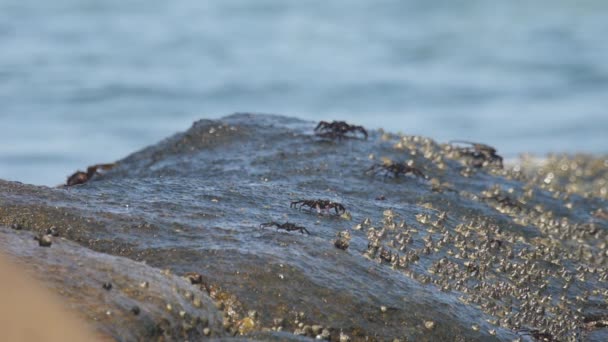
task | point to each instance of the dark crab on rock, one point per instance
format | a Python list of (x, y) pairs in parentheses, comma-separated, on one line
[(394, 169), (339, 130), (479, 155), (287, 226), (80, 177), (320, 205)]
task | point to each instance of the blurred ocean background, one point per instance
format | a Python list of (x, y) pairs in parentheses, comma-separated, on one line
[(84, 82)]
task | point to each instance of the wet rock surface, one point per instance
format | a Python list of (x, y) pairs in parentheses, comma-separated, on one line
[(469, 251), (124, 299)]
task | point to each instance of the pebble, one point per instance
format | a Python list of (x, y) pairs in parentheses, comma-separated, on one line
[(207, 331), (341, 243), (197, 302), (278, 322), (346, 216), (187, 326), (307, 330), (52, 231), (194, 278), (344, 337), (220, 305), (325, 334), (316, 329), (429, 325), (44, 241), (246, 325)]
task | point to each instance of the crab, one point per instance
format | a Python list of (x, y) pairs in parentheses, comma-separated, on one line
[(80, 177), (480, 154), (195, 278), (338, 130), (285, 226), (319, 205), (394, 169)]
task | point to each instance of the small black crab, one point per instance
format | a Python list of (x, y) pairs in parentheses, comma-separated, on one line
[(80, 177), (285, 226), (319, 205), (394, 169), (338, 130), (480, 154)]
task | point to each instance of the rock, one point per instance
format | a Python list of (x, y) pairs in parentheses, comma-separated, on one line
[(246, 325), (279, 322), (325, 334), (528, 234), (344, 337), (44, 240), (52, 231), (81, 289), (316, 329)]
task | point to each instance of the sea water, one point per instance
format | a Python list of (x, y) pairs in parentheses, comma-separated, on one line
[(85, 82)]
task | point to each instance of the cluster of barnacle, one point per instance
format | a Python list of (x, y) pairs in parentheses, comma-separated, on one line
[(418, 145), (503, 202), (234, 319), (567, 175), (496, 270), (237, 321), (506, 273), (503, 272), (546, 221), (473, 155), (395, 252), (317, 331)]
